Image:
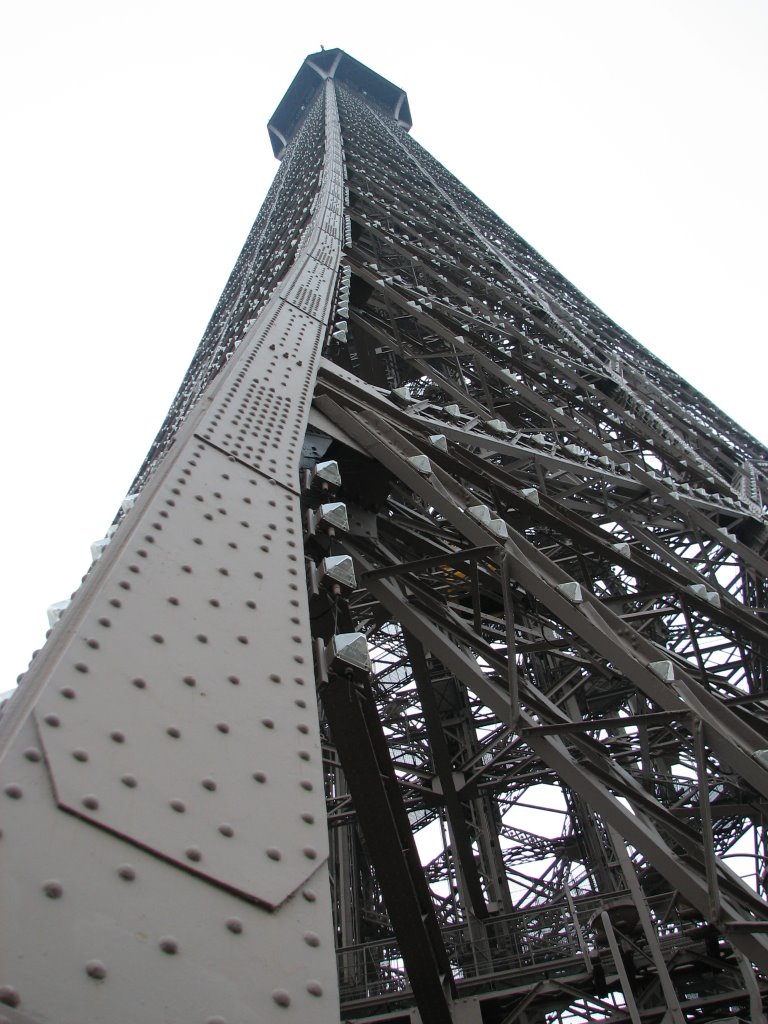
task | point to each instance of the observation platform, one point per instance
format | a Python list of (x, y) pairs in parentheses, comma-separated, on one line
[(341, 67)]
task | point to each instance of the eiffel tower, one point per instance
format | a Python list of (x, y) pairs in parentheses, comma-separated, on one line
[(422, 673)]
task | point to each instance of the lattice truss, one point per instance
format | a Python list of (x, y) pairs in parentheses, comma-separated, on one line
[(564, 607), (547, 788), (613, 627)]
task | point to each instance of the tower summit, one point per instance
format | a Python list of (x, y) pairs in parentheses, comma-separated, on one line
[(422, 672)]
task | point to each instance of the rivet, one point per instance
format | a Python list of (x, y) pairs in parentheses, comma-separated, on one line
[(53, 889), (304, 729), (243, 639), (9, 995), (214, 602), (80, 755), (158, 638), (68, 692), (235, 925), (140, 684), (127, 872), (129, 781), (222, 726), (268, 723), (310, 852), (173, 600), (314, 988), (260, 776), (226, 830), (305, 755), (193, 853), (190, 680), (306, 784), (208, 784), (202, 638), (104, 622), (13, 791), (32, 754), (273, 853), (93, 644), (274, 678), (91, 802), (234, 680), (250, 604), (311, 939), (169, 945), (309, 895), (173, 731), (309, 819), (53, 720), (178, 805), (117, 736), (281, 997), (96, 969)]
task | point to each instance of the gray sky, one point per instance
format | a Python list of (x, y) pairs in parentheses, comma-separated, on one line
[(625, 140)]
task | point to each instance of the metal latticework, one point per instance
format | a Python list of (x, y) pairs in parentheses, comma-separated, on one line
[(533, 593)]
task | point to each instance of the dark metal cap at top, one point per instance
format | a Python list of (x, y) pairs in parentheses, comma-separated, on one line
[(340, 66)]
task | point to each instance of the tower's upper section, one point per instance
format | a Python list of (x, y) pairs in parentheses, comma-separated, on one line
[(338, 65)]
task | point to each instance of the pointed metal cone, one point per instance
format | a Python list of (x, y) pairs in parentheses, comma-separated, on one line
[(349, 649), (339, 569), (572, 591), (665, 670), (97, 548), (401, 395), (499, 528), (530, 494), (497, 426), (421, 463), (327, 472), (439, 441), (622, 549), (56, 610), (481, 513), (452, 410), (334, 514)]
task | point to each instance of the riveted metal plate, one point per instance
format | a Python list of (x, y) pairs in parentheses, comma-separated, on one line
[(121, 935), (205, 654), (258, 414), (171, 717)]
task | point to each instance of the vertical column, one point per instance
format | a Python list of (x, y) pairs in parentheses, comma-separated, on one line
[(164, 848)]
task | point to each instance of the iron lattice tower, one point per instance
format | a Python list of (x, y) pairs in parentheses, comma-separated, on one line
[(523, 562)]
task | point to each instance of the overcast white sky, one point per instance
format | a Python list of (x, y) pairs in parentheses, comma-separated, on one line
[(626, 140)]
